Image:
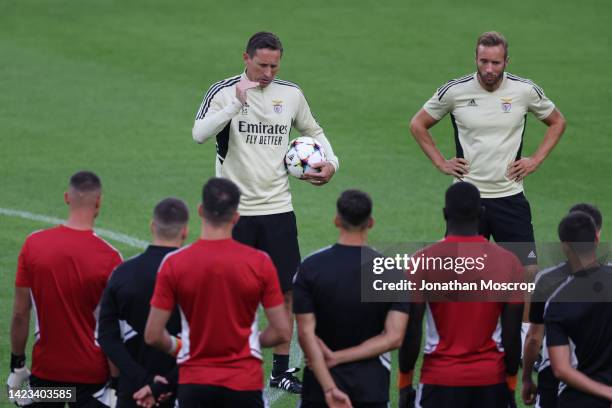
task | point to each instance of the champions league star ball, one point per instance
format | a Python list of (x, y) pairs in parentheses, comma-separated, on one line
[(303, 152)]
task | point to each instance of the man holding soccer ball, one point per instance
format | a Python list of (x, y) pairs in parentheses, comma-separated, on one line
[(251, 116)]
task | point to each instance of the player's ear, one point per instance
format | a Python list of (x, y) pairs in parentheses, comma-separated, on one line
[(152, 227), (66, 198), (567, 251), (245, 56), (184, 233), (200, 210), (235, 218), (370, 222), (337, 221)]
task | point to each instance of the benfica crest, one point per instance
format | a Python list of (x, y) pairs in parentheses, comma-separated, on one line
[(506, 104), (278, 106)]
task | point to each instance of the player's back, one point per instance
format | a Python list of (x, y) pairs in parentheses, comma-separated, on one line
[(329, 283), (219, 285), (334, 276), (126, 299), (67, 271), (581, 309), (463, 338)]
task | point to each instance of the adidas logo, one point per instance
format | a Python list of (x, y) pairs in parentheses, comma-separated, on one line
[(531, 255), (472, 102)]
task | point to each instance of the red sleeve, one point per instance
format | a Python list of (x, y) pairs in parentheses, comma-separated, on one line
[(23, 276), (164, 295), (271, 293)]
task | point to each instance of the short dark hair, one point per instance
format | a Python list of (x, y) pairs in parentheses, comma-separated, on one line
[(85, 181), (263, 39), (354, 208), (169, 217), (577, 229), (220, 198), (591, 210), (462, 203), (492, 39)]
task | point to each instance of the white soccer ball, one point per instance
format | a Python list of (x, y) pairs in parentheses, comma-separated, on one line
[(303, 152)]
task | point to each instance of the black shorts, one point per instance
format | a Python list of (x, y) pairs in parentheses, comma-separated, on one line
[(548, 387), (508, 220), (439, 396), (311, 404), (85, 394), (277, 235), (212, 396)]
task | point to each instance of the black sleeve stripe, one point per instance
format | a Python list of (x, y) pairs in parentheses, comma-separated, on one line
[(212, 87), (453, 81), (212, 92), (443, 92), (538, 90), (287, 83)]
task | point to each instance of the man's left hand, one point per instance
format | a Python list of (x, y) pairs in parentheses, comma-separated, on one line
[(146, 397), (328, 355), (319, 173), (521, 168)]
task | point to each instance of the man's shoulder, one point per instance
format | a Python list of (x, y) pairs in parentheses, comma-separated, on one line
[(455, 85), (229, 80), (287, 87), (42, 235), (283, 82), (524, 84), (222, 85), (182, 254), (552, 274), (126, 269), (318, 255)]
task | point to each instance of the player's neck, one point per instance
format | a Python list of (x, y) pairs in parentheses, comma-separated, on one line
[(213, 233), (80, 220), (169, 243), (582, 263), (461, 231), (353, 238)]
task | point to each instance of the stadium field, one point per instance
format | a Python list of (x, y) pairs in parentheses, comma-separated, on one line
[(113, 86)]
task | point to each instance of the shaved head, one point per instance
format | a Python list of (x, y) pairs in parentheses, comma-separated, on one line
[(84, 190)]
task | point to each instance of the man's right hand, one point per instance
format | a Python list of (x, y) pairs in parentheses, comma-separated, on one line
[(528, 392), (242, 87), (407, 397), (455, 167)]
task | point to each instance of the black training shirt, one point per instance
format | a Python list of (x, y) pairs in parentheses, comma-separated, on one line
[(328, 284), (123, 315), (580, 313)]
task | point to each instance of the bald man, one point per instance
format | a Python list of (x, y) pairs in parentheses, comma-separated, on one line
[(61, 274)]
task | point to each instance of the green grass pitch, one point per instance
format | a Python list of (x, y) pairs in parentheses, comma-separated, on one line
[(113, 86)]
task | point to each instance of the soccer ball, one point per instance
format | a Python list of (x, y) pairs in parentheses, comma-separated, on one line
[(303, 152)]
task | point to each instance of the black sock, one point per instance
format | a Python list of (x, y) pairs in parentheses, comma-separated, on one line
[(280, 364)]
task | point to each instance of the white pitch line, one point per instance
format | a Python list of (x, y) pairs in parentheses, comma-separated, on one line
[(115, 236)]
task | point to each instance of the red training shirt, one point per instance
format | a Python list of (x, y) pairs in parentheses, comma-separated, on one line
[(66, 270), (218, 285), (463, 339)]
